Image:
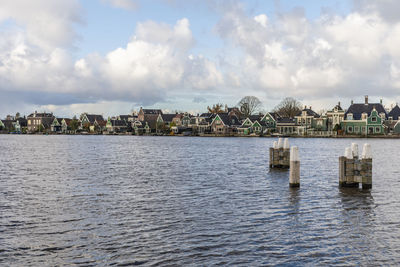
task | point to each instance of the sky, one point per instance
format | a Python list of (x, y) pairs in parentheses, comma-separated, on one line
[(114, 56)]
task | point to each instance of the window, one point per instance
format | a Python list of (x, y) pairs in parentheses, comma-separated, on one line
[(377, 129), (363, 129), (356, 129), (350, 129), (373, 119), (309, 121), (29, 122), (349, 116)]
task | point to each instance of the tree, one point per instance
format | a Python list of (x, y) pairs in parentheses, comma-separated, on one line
[(288, 107), (217, 108), (249, 105), (74, 124)]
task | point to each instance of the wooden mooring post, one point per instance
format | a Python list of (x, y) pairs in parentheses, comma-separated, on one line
[(279, 154), (294, 173), (352, 170)]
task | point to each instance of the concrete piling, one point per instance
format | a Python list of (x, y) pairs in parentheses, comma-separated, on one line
[(294, 174), (279, 154), (352, 170)]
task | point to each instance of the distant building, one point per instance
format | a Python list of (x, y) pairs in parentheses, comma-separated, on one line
[(143, 112), (364, 119), (39, 121)]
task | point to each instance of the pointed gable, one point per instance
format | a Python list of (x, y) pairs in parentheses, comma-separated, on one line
[(394, 114)]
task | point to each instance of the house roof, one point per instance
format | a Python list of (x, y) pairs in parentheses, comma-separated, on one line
[(151, 120), (8, 124), (286, 120), (125, 117), (22, 121), (395, 113), (151, 111), (41, 115), (257, 117), (168, 117), (229, 120), (309, 112), (358, 109), (94, 117)]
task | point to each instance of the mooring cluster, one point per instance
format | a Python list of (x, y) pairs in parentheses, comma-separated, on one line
[(353, 169)]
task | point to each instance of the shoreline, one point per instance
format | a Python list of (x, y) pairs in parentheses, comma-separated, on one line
[(212, 135)]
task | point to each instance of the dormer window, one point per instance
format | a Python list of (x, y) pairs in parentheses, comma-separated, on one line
[(364, 116), (390, 118), (350, 116)]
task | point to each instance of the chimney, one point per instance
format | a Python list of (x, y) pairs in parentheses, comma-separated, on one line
[(310, 107), (366, 100), (352, 102), (381, 101), (338, 103)]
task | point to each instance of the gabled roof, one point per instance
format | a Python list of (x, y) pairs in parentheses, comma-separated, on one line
[(94, 117), (206, 115), (257, 117), (358, 109), (395, 113), (151, 120), (229, 120), (168, 117)]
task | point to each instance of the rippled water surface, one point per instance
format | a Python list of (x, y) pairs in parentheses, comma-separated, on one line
[(122, 200)]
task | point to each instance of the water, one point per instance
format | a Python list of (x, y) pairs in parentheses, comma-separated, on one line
[(155, 201)]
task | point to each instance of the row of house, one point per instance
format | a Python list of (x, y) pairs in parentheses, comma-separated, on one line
[(359, 119)]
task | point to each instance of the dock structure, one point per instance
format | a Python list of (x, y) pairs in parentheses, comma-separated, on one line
[(294, 174), (353, 170), (279, 154)]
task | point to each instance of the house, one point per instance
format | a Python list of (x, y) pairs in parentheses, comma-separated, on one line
[(168, 120), (140, 128), (392, 123), (269, 121), (286, 126), (245, 128), (306, 119), (92, 122), (335, 117), (143, 112), (56, 125), (154, 122), (223, 123), (116, 126), (364, 119), (39, 122)]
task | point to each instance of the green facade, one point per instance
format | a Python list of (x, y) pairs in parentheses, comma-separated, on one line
[(373, 125)]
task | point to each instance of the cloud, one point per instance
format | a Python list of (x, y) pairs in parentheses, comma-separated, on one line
[(332, 56), (154, 64), (199, 99), (123, 4)]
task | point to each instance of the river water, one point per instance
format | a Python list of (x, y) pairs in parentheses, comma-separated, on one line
[(156, 201)]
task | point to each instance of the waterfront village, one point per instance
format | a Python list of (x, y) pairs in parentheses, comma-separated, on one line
[(359, 119)]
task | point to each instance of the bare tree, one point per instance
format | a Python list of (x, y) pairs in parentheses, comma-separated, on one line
[(288, 107), (249, 105)]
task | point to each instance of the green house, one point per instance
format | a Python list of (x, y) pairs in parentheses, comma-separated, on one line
[(365, 119)]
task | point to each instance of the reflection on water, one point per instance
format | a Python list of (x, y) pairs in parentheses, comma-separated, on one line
[(123, 200)]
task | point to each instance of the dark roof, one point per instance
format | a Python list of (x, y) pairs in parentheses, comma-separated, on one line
[(22, 122), (152, 111), (286, 120), (125, 117), (168, 117), (229, 120), (93, 117), (395, 113), (41, 115), (151, 120), (47, 122), (256, 117), (206, 115), (310, 112), (275, 115), (358, 109)]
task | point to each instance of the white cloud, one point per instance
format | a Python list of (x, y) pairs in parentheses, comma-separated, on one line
[(333, 56)]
